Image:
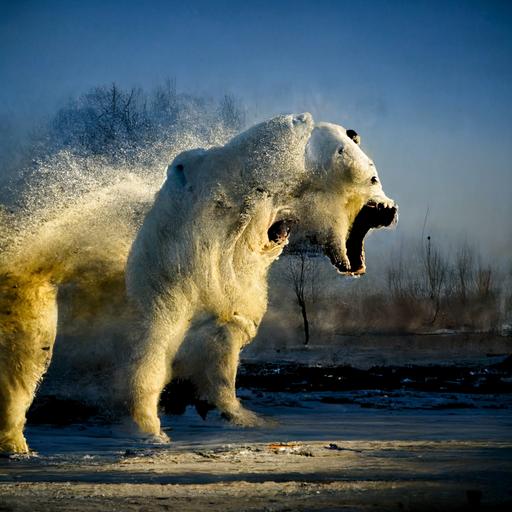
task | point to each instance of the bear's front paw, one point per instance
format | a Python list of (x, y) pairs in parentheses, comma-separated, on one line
[(148, 438), (145, 428), (10, 444), (242, 417), (154, 439)]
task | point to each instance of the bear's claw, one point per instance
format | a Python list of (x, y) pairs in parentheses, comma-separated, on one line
[(245, 418)]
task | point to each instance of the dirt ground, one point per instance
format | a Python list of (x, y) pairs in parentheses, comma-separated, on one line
[(410, 438), (319, 456), (334, 475)]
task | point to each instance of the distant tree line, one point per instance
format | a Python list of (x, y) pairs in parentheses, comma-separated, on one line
[(422, 288), (128, 126), (460, 291), (425, 289)]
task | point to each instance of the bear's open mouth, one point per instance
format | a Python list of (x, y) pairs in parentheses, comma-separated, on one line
[(371, 215), (279, 231)]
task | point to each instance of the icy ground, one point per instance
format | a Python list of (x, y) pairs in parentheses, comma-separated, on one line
[(327, 450)]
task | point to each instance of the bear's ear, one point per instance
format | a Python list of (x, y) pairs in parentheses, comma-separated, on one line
[(184, 162), (352, 134)]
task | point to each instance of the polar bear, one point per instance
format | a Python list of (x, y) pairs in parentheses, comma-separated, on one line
[(197, 271), (196, 275)]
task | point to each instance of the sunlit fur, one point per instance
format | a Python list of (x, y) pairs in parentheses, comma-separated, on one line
[(81, 253), (198, 268), (337, 187), (197, 272)]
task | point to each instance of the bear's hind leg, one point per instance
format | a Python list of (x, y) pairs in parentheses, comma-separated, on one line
[(28, 325), (216, 367)]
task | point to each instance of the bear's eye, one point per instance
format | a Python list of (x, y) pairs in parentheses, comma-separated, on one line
[(340, 150), (352, 134), (374, 180)]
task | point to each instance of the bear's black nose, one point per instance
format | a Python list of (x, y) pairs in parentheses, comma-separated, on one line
[(352, 134)]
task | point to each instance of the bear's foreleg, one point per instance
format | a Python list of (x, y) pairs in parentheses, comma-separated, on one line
[(150, 371), (28, 325)]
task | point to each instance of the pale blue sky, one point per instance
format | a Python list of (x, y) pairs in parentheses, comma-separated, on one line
[(427, 84)]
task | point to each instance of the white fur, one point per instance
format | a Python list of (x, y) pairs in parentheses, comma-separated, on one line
[(196, 274), (198, 268)]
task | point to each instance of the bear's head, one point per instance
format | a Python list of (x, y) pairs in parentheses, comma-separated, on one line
[(281, 172), (342, 198)]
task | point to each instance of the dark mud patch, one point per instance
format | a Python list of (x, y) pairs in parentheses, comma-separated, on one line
[(57, 411), (293, 378), (387, 386)]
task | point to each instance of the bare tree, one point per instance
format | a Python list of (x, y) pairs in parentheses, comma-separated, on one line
[(301, 274), (231, 115), (484, 282), (398, 278), (464, 272), (164, 103), (436, 269)]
